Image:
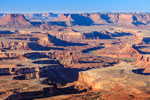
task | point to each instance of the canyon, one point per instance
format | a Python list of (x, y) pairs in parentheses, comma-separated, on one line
[(83, 56)]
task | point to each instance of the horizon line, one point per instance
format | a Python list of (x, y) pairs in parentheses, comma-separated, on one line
[(74, 12)]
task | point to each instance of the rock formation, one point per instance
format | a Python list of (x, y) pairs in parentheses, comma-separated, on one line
[(143, 61), (15, 20), (129, 51), (68, 58)]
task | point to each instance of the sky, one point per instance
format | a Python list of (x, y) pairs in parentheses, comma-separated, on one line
[(73, 6)]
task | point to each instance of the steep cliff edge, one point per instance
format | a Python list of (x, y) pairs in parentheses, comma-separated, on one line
[(106, 79)]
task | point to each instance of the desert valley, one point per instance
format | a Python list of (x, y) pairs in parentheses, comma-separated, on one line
[(75, 56)]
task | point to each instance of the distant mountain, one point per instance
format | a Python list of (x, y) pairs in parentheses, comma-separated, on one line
[(41, 16), (81, 19), (15, 20), (118, 19)]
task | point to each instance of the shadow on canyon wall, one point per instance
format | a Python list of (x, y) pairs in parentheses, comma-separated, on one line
[(140, 71), (59, 42), (6, 32), (81, 20), (146, 40), (138, 49), (106, 18), (37, 47), (104, 35), (35, 55), (136, 22)]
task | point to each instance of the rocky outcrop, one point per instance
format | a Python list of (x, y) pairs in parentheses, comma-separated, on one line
[(129, 51), (68, 58), (143, 61)]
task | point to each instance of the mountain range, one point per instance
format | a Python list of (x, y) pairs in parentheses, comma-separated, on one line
[(82, 19)]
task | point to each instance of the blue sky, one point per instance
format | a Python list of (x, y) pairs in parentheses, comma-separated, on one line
[(73, 6)]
